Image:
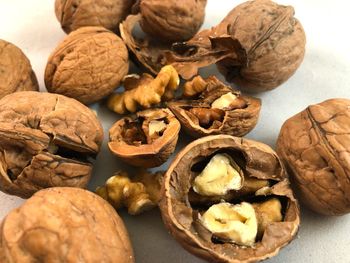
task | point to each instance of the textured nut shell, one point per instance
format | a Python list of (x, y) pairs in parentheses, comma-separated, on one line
[(64, 225), (174, 20), (16, 73), (73, 14), (315, 147), (261, 162), (146, 155), (88, 65), (29, 123)]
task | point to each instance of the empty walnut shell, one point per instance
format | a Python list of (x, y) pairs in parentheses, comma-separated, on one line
[(146, 139), (45, 141), (256, 54), (88, 65), (64, 225), (199, 119), (16, 73), (314, 144), (182, 219), (172, 20), (73, 14)]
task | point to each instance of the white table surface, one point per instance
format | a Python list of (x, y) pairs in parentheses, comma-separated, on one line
[(325, 73)]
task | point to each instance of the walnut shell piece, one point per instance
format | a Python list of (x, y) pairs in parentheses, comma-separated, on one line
[(314, 144), (218, 109), (146, 139), (172, 20), (73, 14), (88, 65), (64, 225), (183, 218), (16, 73), (45, 141)]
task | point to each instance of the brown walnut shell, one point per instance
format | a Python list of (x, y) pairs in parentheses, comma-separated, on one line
[(314, 144), (257, 160), (237, 121), (256, 54), (172, 20), (130, 139), (64, 225), (73, 14), (88, 65), (45, 141), (16, 73)]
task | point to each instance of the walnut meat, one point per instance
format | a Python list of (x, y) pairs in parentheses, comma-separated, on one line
[(228, 199), (73, 14), (314, 145), (88, 65), (146, 139), (172, 21), (218, 109), (16, 73), (64, 225), (46, 140)]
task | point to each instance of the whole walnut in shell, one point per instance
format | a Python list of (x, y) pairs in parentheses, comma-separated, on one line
[(64, 225), (172, 20), (73, 14), (88, 65), (16, 73), (314, 145), (45, 141), (228, 199)]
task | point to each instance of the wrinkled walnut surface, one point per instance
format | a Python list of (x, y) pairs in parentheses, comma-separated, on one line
[(45, 140), (172, 20), (315, 147), (73, 14), (64, 225), (130, 140), (88, 65), (16, 73), (182, 220)]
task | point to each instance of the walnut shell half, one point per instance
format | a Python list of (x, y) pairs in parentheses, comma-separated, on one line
[(200, 118), (64, 225), (146, 139), (258, 162), (88, 65), (16, 73), (45, 141), (315, 146)]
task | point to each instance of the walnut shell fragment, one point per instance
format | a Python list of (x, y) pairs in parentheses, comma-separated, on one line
[(88, 65), (207, 114), (256, 54), (259, 163), (314, 144), (73, 14), (146, 139), (16, 73), (172, 20), (60, 225), (45, 141)]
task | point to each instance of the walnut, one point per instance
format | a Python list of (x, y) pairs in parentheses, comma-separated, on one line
[(16, 73), (146, 139), (73, 14), (217, 109), (60, 225), (314, 145), (145, 91), (88, 65), (46, 140), (254, 223), (172, 20)]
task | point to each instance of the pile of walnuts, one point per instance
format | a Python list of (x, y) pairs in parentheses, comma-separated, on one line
[(223, 197)]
